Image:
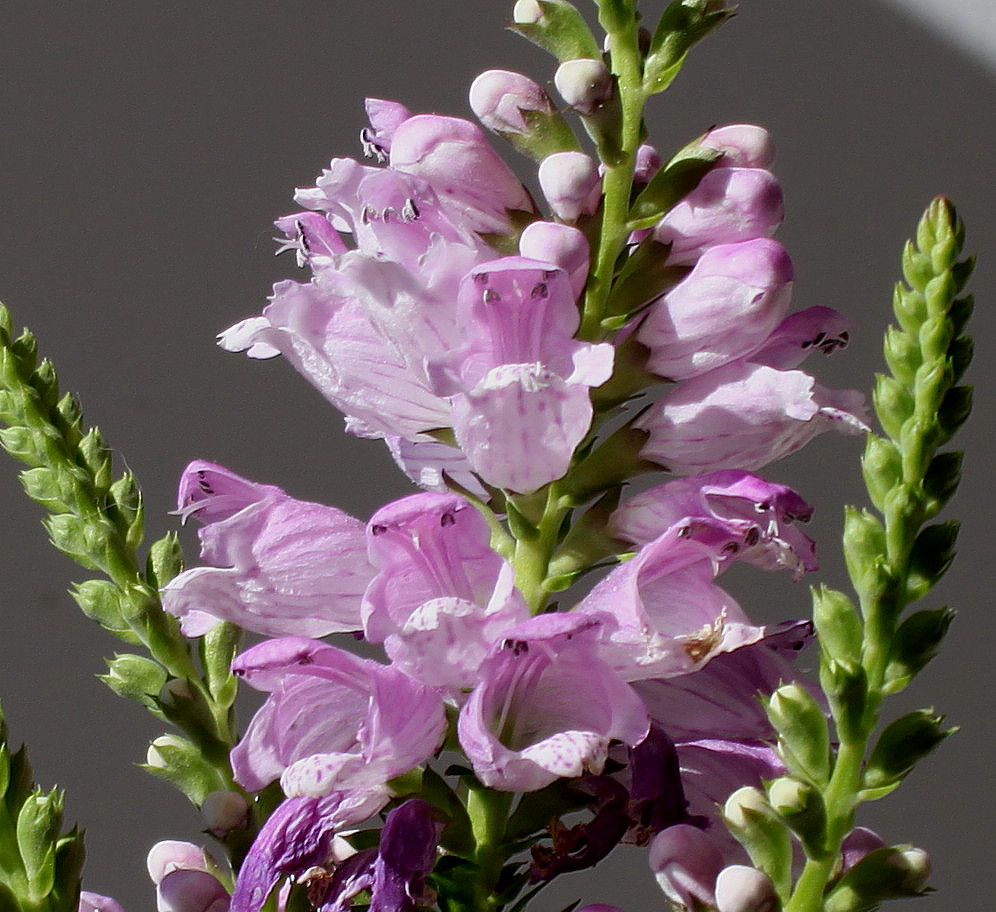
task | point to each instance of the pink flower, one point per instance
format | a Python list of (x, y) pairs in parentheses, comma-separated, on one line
[(727, 206), (725, 309), (441, 597), (279, 565), (744, 415), (332, 722), (520, 381), (547, 706)]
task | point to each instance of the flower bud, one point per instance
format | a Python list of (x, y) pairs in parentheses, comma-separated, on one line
[(94, 902), (741, 145), (648, 163), (728, 205), (801, 807), (526, 12), (740, 888), (499, 98), (585, 84), (520, 111), (725, 309), (757, 828), (563, 245), (224, 811), (571, 184), (686, 863)]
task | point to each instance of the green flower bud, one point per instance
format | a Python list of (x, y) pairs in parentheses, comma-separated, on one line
[(759, 830), (886, 873), (893, 404), (800, 805), (864, 552), (176, 760), (882, 468), (38, 825), (902, 744), (932, 554), (165, 560), (916, 642), (135, 677), (846, 686), (838, 625), (803, 736)]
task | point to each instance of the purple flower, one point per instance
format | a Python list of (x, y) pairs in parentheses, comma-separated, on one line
[(324, 330), (297, 836), (686, 864), (764, 515), (725, 309), (662, 614), (547, 706), (279, 565), (332, 721), (800, 334), (727, 206), (441, 597), (396, 872), (744, 415), (520, 380)]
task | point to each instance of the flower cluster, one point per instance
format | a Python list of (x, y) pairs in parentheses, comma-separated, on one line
[(447, 316)]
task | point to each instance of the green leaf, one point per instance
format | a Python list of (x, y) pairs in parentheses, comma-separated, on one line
[(560, 30), (941, 481), (916, 642), (902, 745), (671, 184), (683, 24)]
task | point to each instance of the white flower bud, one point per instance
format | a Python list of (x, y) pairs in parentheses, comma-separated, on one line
[(585, 83), (570, 183), (526, 12), (155, 759), (224, 811), (742, 802), (740, 888)]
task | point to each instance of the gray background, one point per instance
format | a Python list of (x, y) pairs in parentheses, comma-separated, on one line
[(146, 149)]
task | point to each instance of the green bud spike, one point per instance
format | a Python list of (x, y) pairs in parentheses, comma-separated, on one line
[(916, 642), (801, 806), (557, 27), (902, 745), (803, 736), (759, 830)]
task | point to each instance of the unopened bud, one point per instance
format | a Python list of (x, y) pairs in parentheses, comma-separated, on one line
[(741, 145), (155, 759), (499, 97), (585, 84), (686, 863), (563, 245), (224, 811), (740, 888), (570, 183), (526, 12)]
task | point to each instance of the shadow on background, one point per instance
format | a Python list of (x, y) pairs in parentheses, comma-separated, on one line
[(148, 147)]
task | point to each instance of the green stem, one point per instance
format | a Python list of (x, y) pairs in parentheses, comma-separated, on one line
[(617, 183), (488, 811)]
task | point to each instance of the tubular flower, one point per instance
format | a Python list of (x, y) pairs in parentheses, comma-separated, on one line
[(280, 565), (332, 722)]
